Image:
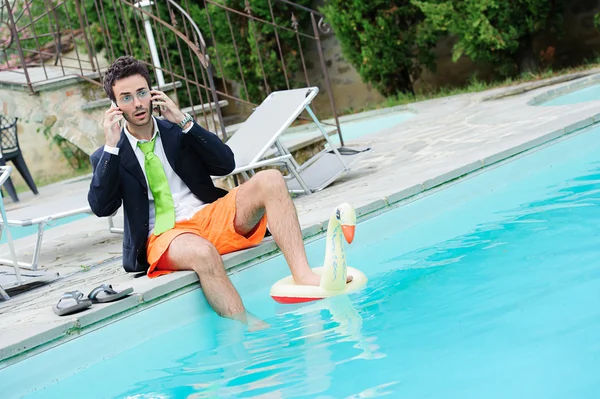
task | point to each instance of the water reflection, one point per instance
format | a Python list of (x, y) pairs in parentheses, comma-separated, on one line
[(295, 357)]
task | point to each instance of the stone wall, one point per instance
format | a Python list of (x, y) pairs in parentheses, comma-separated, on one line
[(53, 110), (350, 92)]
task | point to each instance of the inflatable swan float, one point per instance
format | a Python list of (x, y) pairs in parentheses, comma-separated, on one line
[(334, 270)]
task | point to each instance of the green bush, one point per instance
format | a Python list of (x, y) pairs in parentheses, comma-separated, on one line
[(597, 21), (386, 41), (495, 31)]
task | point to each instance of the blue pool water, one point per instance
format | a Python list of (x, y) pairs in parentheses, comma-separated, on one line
[(354, 129), (590, 93), (489, 288)]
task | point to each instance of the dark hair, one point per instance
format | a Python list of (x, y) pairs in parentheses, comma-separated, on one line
[(123, 67)]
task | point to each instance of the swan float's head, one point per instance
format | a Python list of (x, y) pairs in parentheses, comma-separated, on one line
[(346, 216)]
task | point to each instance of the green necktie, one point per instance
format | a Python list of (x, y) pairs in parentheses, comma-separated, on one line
[(164, 208)]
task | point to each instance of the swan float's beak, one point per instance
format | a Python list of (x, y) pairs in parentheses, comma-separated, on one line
[(346, 217), (348, 231)]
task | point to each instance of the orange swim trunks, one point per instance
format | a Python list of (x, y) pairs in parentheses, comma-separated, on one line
[(215, 223)]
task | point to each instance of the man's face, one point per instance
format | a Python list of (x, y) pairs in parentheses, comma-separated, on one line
[(133, 99)]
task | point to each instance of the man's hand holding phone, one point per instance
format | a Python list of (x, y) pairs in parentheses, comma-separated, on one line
[(112, 125), (167, 107)]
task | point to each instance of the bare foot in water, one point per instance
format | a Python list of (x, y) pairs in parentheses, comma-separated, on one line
[(313, 278), (256, 324), (253, 322)]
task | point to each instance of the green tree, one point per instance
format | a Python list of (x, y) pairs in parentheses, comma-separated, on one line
[(496, 31), (386, 41)]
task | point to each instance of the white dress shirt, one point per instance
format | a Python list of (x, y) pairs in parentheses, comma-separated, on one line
[(186, 203)]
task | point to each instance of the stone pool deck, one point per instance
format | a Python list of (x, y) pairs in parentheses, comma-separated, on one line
[(446, 139)]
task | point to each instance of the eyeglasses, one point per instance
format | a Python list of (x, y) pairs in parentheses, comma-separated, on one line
[(128, 99)]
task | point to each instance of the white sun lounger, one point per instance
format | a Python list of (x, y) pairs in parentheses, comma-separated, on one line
[(36, 215), (257, 143), (41, 214), (18, 279)]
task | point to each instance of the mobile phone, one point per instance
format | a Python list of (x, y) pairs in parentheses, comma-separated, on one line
[(156, 109), (117, 107)]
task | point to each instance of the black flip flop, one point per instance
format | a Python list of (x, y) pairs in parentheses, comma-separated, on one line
[(78, 305), (106, 293)]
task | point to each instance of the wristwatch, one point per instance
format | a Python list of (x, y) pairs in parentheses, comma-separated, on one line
[(185, 120)]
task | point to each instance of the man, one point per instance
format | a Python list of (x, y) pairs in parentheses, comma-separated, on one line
[(174, 217)]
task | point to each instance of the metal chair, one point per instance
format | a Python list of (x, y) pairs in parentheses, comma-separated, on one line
[(8, 185)]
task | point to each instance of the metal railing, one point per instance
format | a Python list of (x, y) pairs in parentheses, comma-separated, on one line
[(245, 50)]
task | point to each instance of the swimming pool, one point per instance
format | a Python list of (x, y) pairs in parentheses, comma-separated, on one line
[(489, 288), (590, 93)]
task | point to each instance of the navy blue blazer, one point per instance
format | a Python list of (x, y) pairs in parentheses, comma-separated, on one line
[(118, 179)]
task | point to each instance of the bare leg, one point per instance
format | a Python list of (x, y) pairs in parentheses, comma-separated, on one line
[(267, 192), (191, 252)]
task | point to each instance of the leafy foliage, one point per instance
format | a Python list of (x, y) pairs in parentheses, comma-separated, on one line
[(386, 41), (495, 31)]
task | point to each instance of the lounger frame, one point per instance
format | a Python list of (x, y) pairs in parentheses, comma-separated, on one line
[(257, 143), (19, 278)]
